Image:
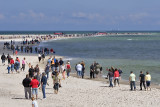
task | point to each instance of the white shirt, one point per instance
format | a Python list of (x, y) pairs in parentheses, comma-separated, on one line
[(79, 67), (39, 55), (35, 103)]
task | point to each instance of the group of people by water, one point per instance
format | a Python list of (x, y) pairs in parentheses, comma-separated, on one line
[(36, 80)]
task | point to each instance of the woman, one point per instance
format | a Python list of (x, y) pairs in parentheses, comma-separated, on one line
[(148, 80)]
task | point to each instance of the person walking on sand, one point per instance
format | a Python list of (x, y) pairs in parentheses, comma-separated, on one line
[(132, 79), (56, 82), (27, 88), (61, 63), (3, 58), (31, 72), (39, 58), (34, 102), (142, 80), (23, 64), (9, 58), (43, 57), (12, 65), (43, 84), (9, 68), (63, 71), (34, 83), (116, 77), (148, 80), (47, 70), (16, 52)]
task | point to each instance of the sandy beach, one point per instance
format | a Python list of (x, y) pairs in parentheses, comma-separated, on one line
[(75, 92)]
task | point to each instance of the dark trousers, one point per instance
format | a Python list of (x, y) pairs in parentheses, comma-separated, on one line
[(116, 79), (82, 74), (91, 74), (142, 82), (56, 86), (132, 84)]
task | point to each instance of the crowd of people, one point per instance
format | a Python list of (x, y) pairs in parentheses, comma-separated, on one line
[(36, 80)]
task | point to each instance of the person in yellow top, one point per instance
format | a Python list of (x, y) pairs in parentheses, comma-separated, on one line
[(148, 80)]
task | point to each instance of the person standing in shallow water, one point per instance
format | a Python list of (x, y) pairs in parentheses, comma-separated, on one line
[(142, 80)]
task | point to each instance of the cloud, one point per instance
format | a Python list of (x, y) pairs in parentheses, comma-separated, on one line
[(36, 15), (138, 16), (90, 16), (2, 16), (28, 15)]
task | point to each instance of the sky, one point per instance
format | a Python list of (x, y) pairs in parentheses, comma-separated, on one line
[(79, 15)]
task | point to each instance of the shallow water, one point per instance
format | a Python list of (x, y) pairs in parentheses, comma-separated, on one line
[(128, 52)]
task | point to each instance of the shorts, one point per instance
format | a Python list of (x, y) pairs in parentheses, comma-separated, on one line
[(148, 83), (35, 91)]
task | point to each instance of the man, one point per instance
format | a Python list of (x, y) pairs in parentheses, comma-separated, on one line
[(60, 65), (79, 69), (132, 79), (120, 72), (142, 80), (3, 58), (43, 84), (9, 58), (31, 72), (110, 75), (116, 77), (83, 68), (34, 83), (26, 83), (92, 71)]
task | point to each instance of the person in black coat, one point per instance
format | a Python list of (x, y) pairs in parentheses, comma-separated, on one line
[(3, 58), (27, 88)]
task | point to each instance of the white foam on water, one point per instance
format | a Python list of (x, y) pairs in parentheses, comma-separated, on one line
[(129, 39)]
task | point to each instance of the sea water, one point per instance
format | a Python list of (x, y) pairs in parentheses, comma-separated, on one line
[(129, 52)]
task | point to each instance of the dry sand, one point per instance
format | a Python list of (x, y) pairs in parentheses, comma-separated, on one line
[(75, 92)]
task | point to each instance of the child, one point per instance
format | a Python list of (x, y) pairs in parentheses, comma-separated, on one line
[(56, 81), (9, 68), (34, 102)]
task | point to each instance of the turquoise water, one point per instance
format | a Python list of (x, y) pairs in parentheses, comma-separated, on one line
[(128, 52)]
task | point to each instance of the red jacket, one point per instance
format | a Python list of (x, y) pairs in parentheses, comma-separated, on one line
[(116, 74), (34, 83), (12, 61)]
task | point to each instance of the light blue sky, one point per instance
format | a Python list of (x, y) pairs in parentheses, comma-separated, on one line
[(79, 15)]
